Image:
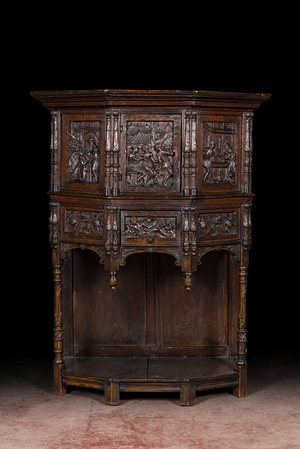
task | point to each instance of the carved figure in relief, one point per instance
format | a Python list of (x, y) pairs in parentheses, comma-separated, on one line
[(150, 154), (217, 224), (140, 227), (83, 152), (85, 222), (219, 157)]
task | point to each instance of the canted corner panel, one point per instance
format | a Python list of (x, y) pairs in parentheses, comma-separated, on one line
[(220, 142), (82, 225), (82, 152), (151, 150), (216, 225), (150, 228)]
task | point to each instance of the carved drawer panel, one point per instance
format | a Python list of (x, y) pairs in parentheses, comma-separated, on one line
[(151, 152), (79, 224), (150, 228), (216, 225)]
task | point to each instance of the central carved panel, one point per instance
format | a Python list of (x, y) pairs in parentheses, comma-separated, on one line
[(155, 228), (152, 155), (149, 227)]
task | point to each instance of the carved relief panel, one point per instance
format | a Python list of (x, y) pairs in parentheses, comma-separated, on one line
[(82, 165), (150, 228), (220, 141), (151, 153), (82, 224), (218, 224)]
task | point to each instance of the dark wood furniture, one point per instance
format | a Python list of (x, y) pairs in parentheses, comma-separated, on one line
[(150, 231)]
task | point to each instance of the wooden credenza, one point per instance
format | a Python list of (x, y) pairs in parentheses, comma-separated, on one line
[(150, 230)]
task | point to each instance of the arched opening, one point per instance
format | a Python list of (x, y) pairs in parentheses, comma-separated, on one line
[(150, 312)]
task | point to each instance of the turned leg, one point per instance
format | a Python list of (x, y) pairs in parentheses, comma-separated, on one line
[(187, 393), (240, 391), (241, 364), (58, 364), (112, 393)]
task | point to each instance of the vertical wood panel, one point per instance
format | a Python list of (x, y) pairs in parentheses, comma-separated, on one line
[(198, 317)]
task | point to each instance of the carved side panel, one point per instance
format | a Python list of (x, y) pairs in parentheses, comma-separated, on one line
[(83, 151), (214, 225), (221, 148), (151, 153), (82, 161), (83, 223)]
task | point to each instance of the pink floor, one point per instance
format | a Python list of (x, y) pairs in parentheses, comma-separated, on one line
[(31, 417)]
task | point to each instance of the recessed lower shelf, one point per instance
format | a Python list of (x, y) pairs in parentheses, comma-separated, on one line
[(151, 374)]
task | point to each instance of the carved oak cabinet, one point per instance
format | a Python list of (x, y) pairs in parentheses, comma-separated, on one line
[(150, 230)]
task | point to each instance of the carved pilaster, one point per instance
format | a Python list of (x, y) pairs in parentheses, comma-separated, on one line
[(54, 147), (116, 154), (189, 245), (112, 245), (246, 227), (108, 156), (193, 155), (186, 156), (247, 153), (112, 153), (190, 154), (53, 225)]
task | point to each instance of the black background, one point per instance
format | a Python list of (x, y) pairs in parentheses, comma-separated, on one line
[(49, 60)]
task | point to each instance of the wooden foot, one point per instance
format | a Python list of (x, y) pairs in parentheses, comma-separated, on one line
[(112, 393), (187, 393), (59, 388), (240, 390)]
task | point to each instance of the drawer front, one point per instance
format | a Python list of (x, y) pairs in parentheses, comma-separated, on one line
[(150, 228), (82, 225)]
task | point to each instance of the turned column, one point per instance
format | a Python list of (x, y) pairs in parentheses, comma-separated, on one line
[(112, 245), (241, 364), (189, 246), (58, 363)]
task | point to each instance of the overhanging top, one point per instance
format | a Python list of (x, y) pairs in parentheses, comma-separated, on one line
[(126, 97)]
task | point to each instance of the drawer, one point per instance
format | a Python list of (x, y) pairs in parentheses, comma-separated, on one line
[(153, 228)]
